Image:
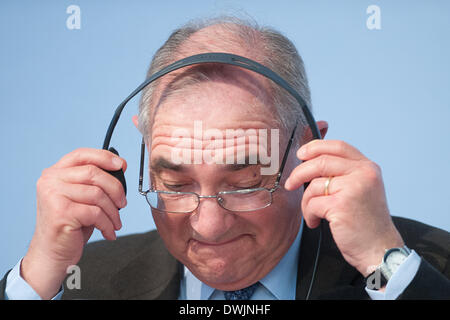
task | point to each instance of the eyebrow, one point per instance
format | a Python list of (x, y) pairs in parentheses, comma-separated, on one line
[(246, 164), (160, 164)]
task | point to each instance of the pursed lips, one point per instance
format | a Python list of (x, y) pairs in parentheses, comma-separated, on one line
[(221, 243)]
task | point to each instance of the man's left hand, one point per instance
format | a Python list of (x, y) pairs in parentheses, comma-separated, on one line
[(355, 207)]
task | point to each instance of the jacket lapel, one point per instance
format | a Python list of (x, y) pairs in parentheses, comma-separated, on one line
[(153, 274), (335, 278)]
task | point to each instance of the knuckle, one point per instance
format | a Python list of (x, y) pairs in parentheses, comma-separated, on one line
[(322, 163), (118, 189), (376, 167), (96, 212), (46, 172), (77, 152), (45, 188), (59, 205), (95, 192), (358, 188), (80, 150), (341, 146), (372, 171), (91, 172)]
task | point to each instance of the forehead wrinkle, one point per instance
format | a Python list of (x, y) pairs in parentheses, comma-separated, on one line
[(159, 164), (225, 143), (165, 127)]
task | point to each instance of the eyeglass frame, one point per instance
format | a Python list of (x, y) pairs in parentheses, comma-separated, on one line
[(217, 196)]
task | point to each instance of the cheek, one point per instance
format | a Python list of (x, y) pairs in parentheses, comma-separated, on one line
[(173, 229), (284, 215)]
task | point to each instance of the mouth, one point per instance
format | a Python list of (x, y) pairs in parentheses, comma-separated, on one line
[(231, 241)]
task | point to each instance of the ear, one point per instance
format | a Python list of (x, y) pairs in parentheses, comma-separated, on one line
[(135, 121), (323, 128), (136, 124)]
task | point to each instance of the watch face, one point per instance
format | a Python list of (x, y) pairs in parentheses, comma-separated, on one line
[(394, 260)]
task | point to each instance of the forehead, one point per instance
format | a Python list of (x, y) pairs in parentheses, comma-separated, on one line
[(224, 119), (231, 98)]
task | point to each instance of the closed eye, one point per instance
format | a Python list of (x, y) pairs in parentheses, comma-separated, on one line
[(257, 185), (175, 187)]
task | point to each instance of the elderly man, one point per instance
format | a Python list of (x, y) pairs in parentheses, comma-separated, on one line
[(229, 229)]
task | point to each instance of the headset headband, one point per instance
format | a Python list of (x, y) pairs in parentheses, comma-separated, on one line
[(223, 58)]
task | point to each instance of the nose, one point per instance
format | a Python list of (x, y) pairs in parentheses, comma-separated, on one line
[(210, 221)]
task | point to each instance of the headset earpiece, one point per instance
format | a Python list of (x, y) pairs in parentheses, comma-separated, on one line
[(119, 173)]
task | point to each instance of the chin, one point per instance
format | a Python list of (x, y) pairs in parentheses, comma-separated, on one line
[(218, 272)]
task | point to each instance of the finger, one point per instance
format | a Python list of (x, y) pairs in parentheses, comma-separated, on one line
[(322, 166), (90, 215), (330, 147), (316, 192), (316, 209), (100, 158), (319, 187), (124, 164), (94, 196), (92, 175)]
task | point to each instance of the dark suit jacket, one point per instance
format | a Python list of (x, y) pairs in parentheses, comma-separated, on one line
[(140, 267)]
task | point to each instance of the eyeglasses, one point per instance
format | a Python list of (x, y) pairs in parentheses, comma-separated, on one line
[(242, 200)]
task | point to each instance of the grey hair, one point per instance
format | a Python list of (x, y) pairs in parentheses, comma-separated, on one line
[(263, 44)]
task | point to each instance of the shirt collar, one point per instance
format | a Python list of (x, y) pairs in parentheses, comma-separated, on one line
[(281, 282)]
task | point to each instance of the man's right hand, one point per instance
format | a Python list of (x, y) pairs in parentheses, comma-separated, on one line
[(74, 196)]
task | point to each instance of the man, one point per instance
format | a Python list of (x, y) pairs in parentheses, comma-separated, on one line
[(228, 229)]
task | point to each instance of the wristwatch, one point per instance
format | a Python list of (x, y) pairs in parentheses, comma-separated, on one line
[(392, 260)]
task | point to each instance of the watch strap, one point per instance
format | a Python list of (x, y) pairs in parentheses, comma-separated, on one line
[(382, 273)]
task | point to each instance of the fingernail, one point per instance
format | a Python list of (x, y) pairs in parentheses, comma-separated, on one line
[(287, 184), (117, 162), (301, 153)]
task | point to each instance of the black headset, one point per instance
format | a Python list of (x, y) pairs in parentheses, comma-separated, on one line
[(220, 58)]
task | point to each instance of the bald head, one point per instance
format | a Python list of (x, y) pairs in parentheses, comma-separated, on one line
[(239, 39), (235, 36)]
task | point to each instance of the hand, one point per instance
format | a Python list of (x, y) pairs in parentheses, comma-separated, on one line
[(74, 196), (355, 206)]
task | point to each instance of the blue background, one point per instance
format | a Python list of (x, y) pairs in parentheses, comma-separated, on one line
[(385, 91)]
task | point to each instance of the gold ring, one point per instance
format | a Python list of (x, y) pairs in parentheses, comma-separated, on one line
[(327, 184)]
